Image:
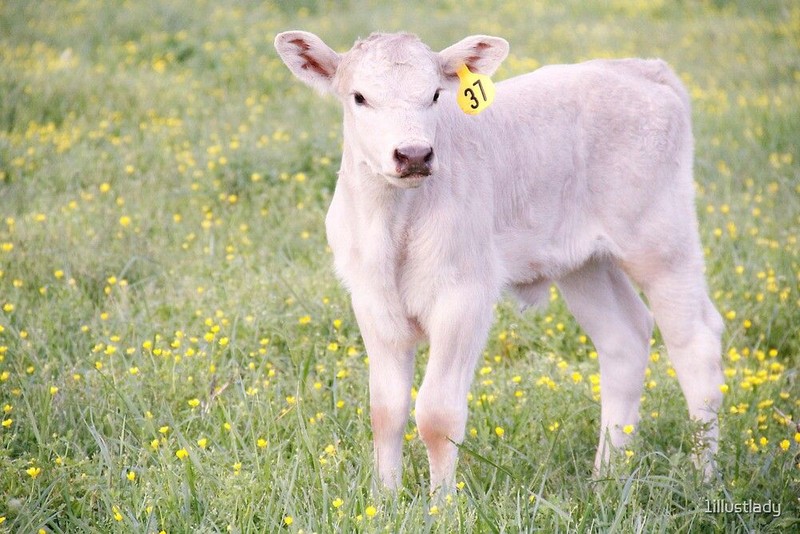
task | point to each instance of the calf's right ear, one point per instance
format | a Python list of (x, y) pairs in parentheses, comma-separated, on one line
[(308, 57)]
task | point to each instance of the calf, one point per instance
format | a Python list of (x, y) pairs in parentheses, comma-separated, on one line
[(578, 175)]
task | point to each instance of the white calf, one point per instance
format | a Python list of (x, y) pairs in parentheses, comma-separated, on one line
[(576, 175)]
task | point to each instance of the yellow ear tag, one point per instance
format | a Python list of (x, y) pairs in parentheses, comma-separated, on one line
[(475, 93)]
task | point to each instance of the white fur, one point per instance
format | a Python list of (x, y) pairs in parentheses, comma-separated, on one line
[(578, 175)]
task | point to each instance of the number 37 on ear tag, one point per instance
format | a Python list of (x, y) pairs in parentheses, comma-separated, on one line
[(476, 91)]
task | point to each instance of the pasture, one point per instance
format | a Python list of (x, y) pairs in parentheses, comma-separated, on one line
[(176, 354)]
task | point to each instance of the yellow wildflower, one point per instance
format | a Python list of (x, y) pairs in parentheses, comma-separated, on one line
[(34, 472)]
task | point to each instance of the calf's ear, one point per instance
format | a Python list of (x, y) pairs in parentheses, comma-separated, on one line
[(481, 53), (308, 57)]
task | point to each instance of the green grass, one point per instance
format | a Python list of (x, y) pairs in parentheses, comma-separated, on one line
[(164, 282)]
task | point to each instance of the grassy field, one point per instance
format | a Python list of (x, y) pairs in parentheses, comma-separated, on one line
[(176, 354)]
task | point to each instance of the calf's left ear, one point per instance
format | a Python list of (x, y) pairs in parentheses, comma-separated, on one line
[(308, 57), (481, 53)]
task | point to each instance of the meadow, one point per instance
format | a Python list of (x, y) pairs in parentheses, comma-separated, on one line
[(176, 354)]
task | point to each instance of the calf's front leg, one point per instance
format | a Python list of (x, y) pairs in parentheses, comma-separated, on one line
[(458, 327), (390, 348)]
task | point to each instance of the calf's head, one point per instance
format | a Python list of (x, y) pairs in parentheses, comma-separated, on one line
[(390, 86)]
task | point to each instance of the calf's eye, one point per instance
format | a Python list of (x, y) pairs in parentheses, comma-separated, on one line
[(359, 99), (436, 96)]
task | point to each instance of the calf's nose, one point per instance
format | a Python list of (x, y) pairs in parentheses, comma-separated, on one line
[(413, 159)]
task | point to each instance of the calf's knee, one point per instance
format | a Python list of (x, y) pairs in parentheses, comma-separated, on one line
[(440, 423)]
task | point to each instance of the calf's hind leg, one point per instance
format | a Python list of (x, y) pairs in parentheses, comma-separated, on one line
[(610, 311), (691, 328)]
